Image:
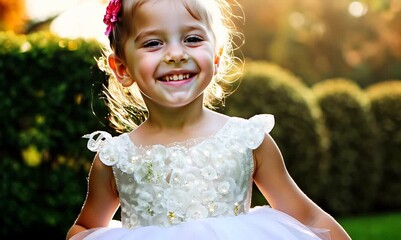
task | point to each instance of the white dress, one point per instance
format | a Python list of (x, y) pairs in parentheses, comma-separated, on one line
[(197, 189)]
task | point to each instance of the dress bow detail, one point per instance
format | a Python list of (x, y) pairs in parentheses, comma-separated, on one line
[(96, 140)]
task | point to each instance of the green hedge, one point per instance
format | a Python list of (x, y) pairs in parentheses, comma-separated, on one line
[(355, 167), (385, 98), (49, 88), (299, 130), (41, 200)]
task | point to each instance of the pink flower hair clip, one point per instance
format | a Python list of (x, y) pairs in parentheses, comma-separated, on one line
[(111, 16)]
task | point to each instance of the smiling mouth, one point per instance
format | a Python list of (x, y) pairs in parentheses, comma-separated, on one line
[(177, 77)]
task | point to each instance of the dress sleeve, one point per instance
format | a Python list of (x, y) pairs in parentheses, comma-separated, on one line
[(106, 145), (257, 127), (97, 140)]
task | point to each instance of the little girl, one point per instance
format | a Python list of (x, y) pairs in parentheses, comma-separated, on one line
[(185, 172)]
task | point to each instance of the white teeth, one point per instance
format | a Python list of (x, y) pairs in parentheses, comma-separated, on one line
[(176, 77)]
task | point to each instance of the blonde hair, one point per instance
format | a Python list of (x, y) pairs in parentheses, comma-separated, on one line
[(126, 105)]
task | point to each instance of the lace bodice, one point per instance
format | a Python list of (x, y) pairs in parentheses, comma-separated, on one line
[(165, 185)]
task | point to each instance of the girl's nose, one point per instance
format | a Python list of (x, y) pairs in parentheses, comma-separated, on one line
[(175, 54)]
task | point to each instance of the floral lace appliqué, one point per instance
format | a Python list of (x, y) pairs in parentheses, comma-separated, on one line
[(165, 185)]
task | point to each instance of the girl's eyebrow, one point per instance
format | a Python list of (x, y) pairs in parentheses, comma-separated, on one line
[(157, 32), (197, 26), (145, 33)]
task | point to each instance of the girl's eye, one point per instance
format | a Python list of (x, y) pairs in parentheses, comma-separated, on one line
[(152, 44), (193, 39)]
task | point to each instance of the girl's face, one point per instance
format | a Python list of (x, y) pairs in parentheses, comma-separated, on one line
[(169, 53)]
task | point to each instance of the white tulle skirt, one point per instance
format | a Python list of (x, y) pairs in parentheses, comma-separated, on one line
[(260, 223)]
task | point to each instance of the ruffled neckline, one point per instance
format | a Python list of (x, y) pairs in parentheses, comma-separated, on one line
[(248, 133), (189, 143)]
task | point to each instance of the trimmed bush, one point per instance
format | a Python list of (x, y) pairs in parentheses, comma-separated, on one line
[(355, 168), (299, 130), (385, 98), (39, 200), (47, 83), (49, 89)]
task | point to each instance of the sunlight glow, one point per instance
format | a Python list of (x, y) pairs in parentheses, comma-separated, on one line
[(39, 10), (297, 20), (73, 18), (357, 9), (84, 20)]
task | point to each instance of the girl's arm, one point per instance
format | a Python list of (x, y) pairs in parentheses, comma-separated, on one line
[(101, 201), (282, 193)]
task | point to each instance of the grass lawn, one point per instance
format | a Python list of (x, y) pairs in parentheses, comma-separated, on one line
[(386, 226)]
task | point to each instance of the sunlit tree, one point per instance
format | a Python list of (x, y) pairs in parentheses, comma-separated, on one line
[(317, 40), (12, 15)]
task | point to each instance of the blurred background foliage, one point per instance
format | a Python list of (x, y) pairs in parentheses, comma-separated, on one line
[(330, 72), (316, 40), (13, 16), (354, 151), (50, 89)]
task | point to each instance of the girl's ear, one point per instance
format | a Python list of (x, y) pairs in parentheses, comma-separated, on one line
[(120, 70), (217, 60)]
